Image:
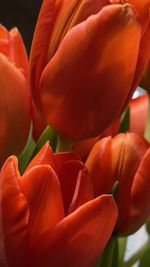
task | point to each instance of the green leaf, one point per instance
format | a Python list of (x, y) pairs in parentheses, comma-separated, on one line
[(48, 134), (63, 143), (145, 260), (25, 157), (115, 188), (125, 121), (32, 148)]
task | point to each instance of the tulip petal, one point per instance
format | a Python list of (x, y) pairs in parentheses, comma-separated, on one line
[(99, 165), (4, 41), (4, 47), (78, 239), (145, 81), (42, 191), (38, 123), (144, 55), (138, 109), (143, 59), (127, 152), (14, 214), (74, 103), (12, 46), (141, 6), (69, 15), (83, 147), (44, 156), (18, 53), (140, 197), (3, 32), (14, 109), (83, 191), (40, 44), (67, 175), (63, 157)]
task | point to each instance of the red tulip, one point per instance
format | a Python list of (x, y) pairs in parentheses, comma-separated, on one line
[(81, 59), (35, 230), (126, 159), (138, 114), (14, 94)]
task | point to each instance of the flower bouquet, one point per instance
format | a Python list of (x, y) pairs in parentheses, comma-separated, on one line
[(75, 133)]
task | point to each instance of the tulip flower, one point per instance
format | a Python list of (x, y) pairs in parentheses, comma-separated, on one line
[(126, 159), (14, 94), (48, 216), (138, 109), (81, 59)]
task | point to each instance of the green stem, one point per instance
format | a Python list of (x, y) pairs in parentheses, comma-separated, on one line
[(137, 256), (108, 254), (147, 128), (122, 243), (63, 144)]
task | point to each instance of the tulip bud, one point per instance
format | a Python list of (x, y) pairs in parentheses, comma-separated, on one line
[(72, 76), (14, 91), (126, 159)]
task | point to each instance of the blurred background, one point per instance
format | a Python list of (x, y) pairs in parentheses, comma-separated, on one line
[(22, 14)]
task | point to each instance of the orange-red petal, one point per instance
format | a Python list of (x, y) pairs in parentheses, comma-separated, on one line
[(143, 58), (69, 14), (4, 34), (40, 44), (141, 6), (38, 123), (127, 153), (99, 165), (14, 215), (41, 188), (18, 53), (14, 109), (78, 239), (4, 41), (78, 96), (83, 191), (67, 176), (140, 197), (44, 156), (63, 157), (138, 109)]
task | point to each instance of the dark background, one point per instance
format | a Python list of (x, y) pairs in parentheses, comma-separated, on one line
[(22, 14)]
